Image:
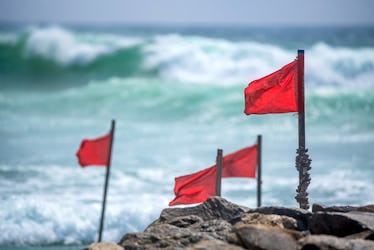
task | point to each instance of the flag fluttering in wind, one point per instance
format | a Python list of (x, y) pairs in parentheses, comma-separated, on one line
[(274, 93), (241, 163), (195, 188), (98, 152), (199, 186), (283, 92), (94, 151)]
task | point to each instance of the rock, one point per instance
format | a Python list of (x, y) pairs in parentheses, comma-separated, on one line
[(365, 235), (217, 229), (163, 236), (219, 224), (104, 246), (342, 209), (213, 208), (279, 221), (341, 224), (327, 242), (186, 227), (185, 221), (215, 234), (300, 215), (267, 237), (215, 245)]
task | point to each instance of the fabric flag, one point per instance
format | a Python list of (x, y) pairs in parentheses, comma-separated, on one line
[(274, 93), (195, 188), (242, 163), (199, 186), (94, 152)]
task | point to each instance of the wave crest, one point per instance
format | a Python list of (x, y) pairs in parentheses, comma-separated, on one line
[(65, 48), (55, 51)]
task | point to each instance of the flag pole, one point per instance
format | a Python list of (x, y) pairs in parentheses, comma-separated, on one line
[(259, 165), (219, 172), (302, 159), (106, 179)]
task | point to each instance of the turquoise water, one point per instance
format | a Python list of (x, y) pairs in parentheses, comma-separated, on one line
[(177, 95), (42, 247)]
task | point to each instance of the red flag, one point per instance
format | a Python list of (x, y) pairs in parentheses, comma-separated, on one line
[(274, 93), (94, 152), (242, 163), (195, 188), (199, 186)]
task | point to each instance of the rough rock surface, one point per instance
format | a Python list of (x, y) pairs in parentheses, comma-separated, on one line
[(213, 208), (267, 237), (342, 209), (327, 242), (341, 224), (280, 221), (220, 224), (300, 215), (104, 246)]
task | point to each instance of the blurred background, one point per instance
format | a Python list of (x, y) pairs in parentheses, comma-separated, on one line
[(172, 75)]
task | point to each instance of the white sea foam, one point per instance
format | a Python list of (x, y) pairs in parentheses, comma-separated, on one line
[(218, 61), (67, 48), (56, 205), (327, 65), (340, 186), (197, 59)]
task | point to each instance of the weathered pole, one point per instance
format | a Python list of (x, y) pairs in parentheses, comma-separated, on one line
[(259, 165), (302, 159), (219, 171), (106, 180)]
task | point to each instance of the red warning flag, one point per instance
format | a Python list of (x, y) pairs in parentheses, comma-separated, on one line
[(274, 93), (94, 152)]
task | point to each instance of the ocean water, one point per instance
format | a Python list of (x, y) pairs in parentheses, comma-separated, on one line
[(176, 93)]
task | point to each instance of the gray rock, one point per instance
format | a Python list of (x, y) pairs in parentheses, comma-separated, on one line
[(300, 215), (342, 209), (217, 229), (267, 237), (365, 235), (104, 246), (219, 224), (279, 221), (215, 245), (341, 224), (327, 242), (185, 221), (213, 208), (163, 236), (185, 227)]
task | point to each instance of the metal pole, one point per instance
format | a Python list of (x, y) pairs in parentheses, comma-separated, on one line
[(219, 171), (106, 179), (302, 159), (259, 165)]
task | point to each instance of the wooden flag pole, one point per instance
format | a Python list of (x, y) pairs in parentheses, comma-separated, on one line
[(106, 179), (302, 159), (259, 165), (219, 171)]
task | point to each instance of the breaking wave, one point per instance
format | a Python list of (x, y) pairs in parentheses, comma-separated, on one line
[(55, 52)]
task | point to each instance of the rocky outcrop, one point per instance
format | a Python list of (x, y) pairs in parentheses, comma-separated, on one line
[(342, 209), (300, 215), (220, 224), (104, 246), (267, 237), (327, 242), (341, 224), (213, 208)]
